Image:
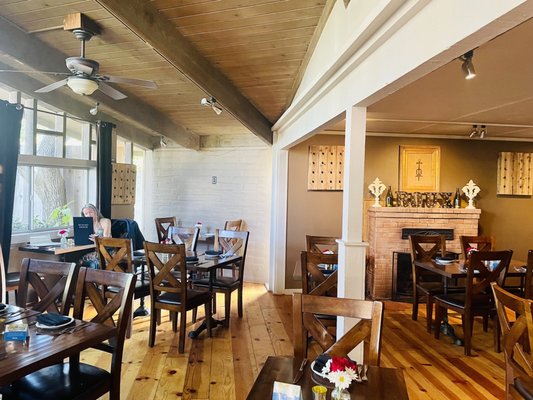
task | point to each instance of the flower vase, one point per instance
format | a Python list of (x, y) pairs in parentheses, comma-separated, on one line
[(340, 394), (63, 241)]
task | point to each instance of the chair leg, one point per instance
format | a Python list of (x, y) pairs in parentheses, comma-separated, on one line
[(208, 318), (485, 323), (497, 341), (227, 308), (174, 317), (239, 301), (468, 322), (429, 313), (158, 313), (415, 305), (194, 314), (439, 312), (183, 325), (153, 324)]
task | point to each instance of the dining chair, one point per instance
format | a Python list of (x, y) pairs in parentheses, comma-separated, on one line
[(320, 244), (425, 283), (480, 243), (52, 283), (477, 300), (316, 279), (75, 380), (170, 291), (517, 334), (368, 327), (2, 278), (161, 226), (528, 280), (186, 235), (234, 225), (233, 242), (115, 254)]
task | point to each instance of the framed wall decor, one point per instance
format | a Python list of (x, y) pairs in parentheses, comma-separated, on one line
[(419, 169)]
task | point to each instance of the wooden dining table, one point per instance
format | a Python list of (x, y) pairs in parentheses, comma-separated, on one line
[(44, 348), (382, 383)]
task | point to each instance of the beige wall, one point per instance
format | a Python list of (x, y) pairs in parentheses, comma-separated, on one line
[(319, 213)]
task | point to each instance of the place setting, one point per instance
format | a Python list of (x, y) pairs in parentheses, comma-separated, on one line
[(55, 324)]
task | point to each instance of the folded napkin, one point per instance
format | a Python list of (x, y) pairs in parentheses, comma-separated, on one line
[(52, 319), (320, 362), (3, 306), (191, 259), (212, 253)]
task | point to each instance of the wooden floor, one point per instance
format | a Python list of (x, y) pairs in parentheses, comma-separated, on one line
[(225, 366)]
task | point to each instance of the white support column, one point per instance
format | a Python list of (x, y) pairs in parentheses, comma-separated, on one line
[(352, 250), (278, 234)]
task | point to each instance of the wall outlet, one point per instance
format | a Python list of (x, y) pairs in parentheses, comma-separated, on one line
[(214, 180)]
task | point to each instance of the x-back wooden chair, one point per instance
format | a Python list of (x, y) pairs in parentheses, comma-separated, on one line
[(480, 243), (316, 279), (319, 244), (186, 235), (161, 226), (368, 328), (52, 281)]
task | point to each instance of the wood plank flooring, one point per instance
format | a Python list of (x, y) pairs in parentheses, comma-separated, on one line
[(225, 366)]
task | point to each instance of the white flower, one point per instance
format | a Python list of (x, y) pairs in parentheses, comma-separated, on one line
[(341, 379)]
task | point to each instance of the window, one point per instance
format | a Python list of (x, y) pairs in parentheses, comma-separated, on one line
[(56, 175)]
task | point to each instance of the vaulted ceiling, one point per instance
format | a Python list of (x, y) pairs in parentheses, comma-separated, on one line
[(248, 54)]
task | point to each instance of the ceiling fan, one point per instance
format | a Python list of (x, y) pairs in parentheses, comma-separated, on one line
[(84, 78)]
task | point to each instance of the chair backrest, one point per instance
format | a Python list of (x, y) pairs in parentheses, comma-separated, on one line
[(160, 272), (315, 279), (52, 281), (186, 235), (234, 225), (528, 282), (88, 290), (3, 286), (367, 328), (115, 254), (319, 244), (231, 242), (485, 267), (480, 243), (517, 335), (425, 247), (161, 227)]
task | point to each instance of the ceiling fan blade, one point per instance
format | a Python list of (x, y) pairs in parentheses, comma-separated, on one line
[(111, 92), (52, 86), (35, 72), (131, 81)]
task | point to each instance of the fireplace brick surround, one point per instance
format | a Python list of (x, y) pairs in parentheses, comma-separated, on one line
[(385, 236)]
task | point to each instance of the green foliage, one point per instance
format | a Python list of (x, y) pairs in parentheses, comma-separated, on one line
[(60, 216)]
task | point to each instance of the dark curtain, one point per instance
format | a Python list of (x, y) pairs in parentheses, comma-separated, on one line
[(104, 168), (10, 119)]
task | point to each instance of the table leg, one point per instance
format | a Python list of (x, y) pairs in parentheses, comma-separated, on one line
[(445, 327)]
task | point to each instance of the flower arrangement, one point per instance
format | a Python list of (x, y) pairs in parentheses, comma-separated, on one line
[(62, 233), (340, 371)]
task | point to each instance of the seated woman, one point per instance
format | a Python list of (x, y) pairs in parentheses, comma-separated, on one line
[(102, 227)]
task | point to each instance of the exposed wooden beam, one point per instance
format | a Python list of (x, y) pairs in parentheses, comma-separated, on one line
[(37, 55), (154, 28)]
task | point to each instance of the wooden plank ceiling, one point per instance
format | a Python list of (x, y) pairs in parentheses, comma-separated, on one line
[(248, 53)]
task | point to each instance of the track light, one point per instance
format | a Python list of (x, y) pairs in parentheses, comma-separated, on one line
[(468, 66), (473, 131), (212, 102), (482, 132), (94, 110), (162, 141)]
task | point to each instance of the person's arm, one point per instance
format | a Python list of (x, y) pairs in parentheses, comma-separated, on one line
[(105, 223)]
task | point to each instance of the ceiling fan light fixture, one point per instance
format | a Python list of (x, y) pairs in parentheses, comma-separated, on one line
[(82, 86), (468, 66)]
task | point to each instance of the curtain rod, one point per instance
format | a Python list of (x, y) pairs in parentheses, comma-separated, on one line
[(54, 113)]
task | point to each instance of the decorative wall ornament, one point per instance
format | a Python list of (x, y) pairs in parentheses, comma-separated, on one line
[(419, 168), (124, 176), (376, 188), (326, 168), (471, 190), (514, 174), (424, 199)]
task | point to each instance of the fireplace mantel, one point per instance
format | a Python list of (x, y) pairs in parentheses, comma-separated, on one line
[(385, 226)]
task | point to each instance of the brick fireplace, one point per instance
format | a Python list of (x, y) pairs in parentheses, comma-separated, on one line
[(385, 237)]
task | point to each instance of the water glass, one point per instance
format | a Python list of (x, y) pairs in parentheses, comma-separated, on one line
[(319, 392)]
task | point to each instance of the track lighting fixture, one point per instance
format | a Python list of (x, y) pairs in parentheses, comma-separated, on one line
[(468, 66), (162, 141), (94, 110), (212, 102), (478, 130)]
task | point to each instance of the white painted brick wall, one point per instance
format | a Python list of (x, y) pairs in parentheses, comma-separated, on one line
[(182, 187)]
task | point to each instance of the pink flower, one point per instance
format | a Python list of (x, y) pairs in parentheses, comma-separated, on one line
[(63, 232)]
